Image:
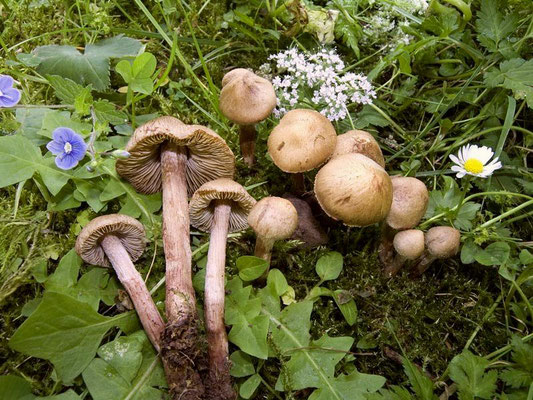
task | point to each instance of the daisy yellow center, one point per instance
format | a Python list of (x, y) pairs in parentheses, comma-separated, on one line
[(67, 148), (474, 166)]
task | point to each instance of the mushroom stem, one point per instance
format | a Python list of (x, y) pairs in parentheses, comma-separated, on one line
[(180, 298), (394, 267), (386, 247), (298, 183), (422, 264), (247, 142), (263, 248), (220, 381), (133, 283)]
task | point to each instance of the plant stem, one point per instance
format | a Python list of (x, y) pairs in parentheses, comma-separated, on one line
[(247, 142)]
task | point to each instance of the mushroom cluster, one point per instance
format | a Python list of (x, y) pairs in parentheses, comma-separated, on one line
[(194, 169)]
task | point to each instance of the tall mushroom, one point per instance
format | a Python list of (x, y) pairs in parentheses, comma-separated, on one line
[(441, 242), (118, 240), (354, 189), (409, 245), (167, 155), (272, 219), (218, 207), (410, 199), (246, 99), (361, 142), (302, 141)]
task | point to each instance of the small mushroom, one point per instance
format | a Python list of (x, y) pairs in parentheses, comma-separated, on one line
[(409, 245), (441, 242), (410, 199), (361, 142), (272, 219), (218, 207), (118, 240), (354, 189), (246, 99), (302, 141), (167, 155)]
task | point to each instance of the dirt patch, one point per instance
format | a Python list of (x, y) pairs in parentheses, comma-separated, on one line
[(218, 384)]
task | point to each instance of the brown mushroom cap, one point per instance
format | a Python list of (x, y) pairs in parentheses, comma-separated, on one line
[(409, 243), (209, 157), (246, 98), (443, 241), (127, 229), (202, 208), (303, 140), (273, 218), (409, 202), (354, 189), (362, 142)]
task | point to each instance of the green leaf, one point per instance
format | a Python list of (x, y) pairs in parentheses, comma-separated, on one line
[(520, 374), (89, 68), (515, 74), (468, 251), (249, 328), (277, 282), (492, 25), (19, 160), (421, 384), (65, 331), (251, 267), (313, 367), (16, 388), (106, 113), (31, 121), (241, 364), (467, 213), (468, 372), (329, 266), (526, 257), (139, 74), (127, 368), (347, 305), (494, 254), (356, 386), (249, 387), (65, 89)]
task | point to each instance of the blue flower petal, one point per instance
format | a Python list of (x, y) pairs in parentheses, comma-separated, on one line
[(78, 149), (66, 161), (55, 147), (63, 135), (10, 97), (6, 82)]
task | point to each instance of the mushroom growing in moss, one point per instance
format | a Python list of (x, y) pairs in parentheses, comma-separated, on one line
[(302, 141), (218, 207), (119, 240), (361, 142), (442, 242), (410, 199), (272, 219), (354, 189), (246, 99), (167, 155), (409, 245)]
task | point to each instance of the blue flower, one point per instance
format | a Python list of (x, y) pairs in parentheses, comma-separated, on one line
[(68, 146), (9, 96)]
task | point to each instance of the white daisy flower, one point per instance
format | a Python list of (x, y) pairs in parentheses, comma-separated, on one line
[(474, 160)]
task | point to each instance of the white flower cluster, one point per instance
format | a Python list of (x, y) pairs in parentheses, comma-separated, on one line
[(386, 22), (317, 80)]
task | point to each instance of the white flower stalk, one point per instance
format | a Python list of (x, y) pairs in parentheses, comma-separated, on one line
[(476, 161), (317, 80)]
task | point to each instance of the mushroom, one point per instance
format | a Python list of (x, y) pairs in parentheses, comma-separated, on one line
[(302, 141), (410, 199), (167, 155), (272, 218), (218, 207), (246, 99), (354, 189), (119, 240), (361, 142), (441, 242), (409, 245)]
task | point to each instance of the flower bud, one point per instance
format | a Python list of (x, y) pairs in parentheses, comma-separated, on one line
[(120, 154)]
